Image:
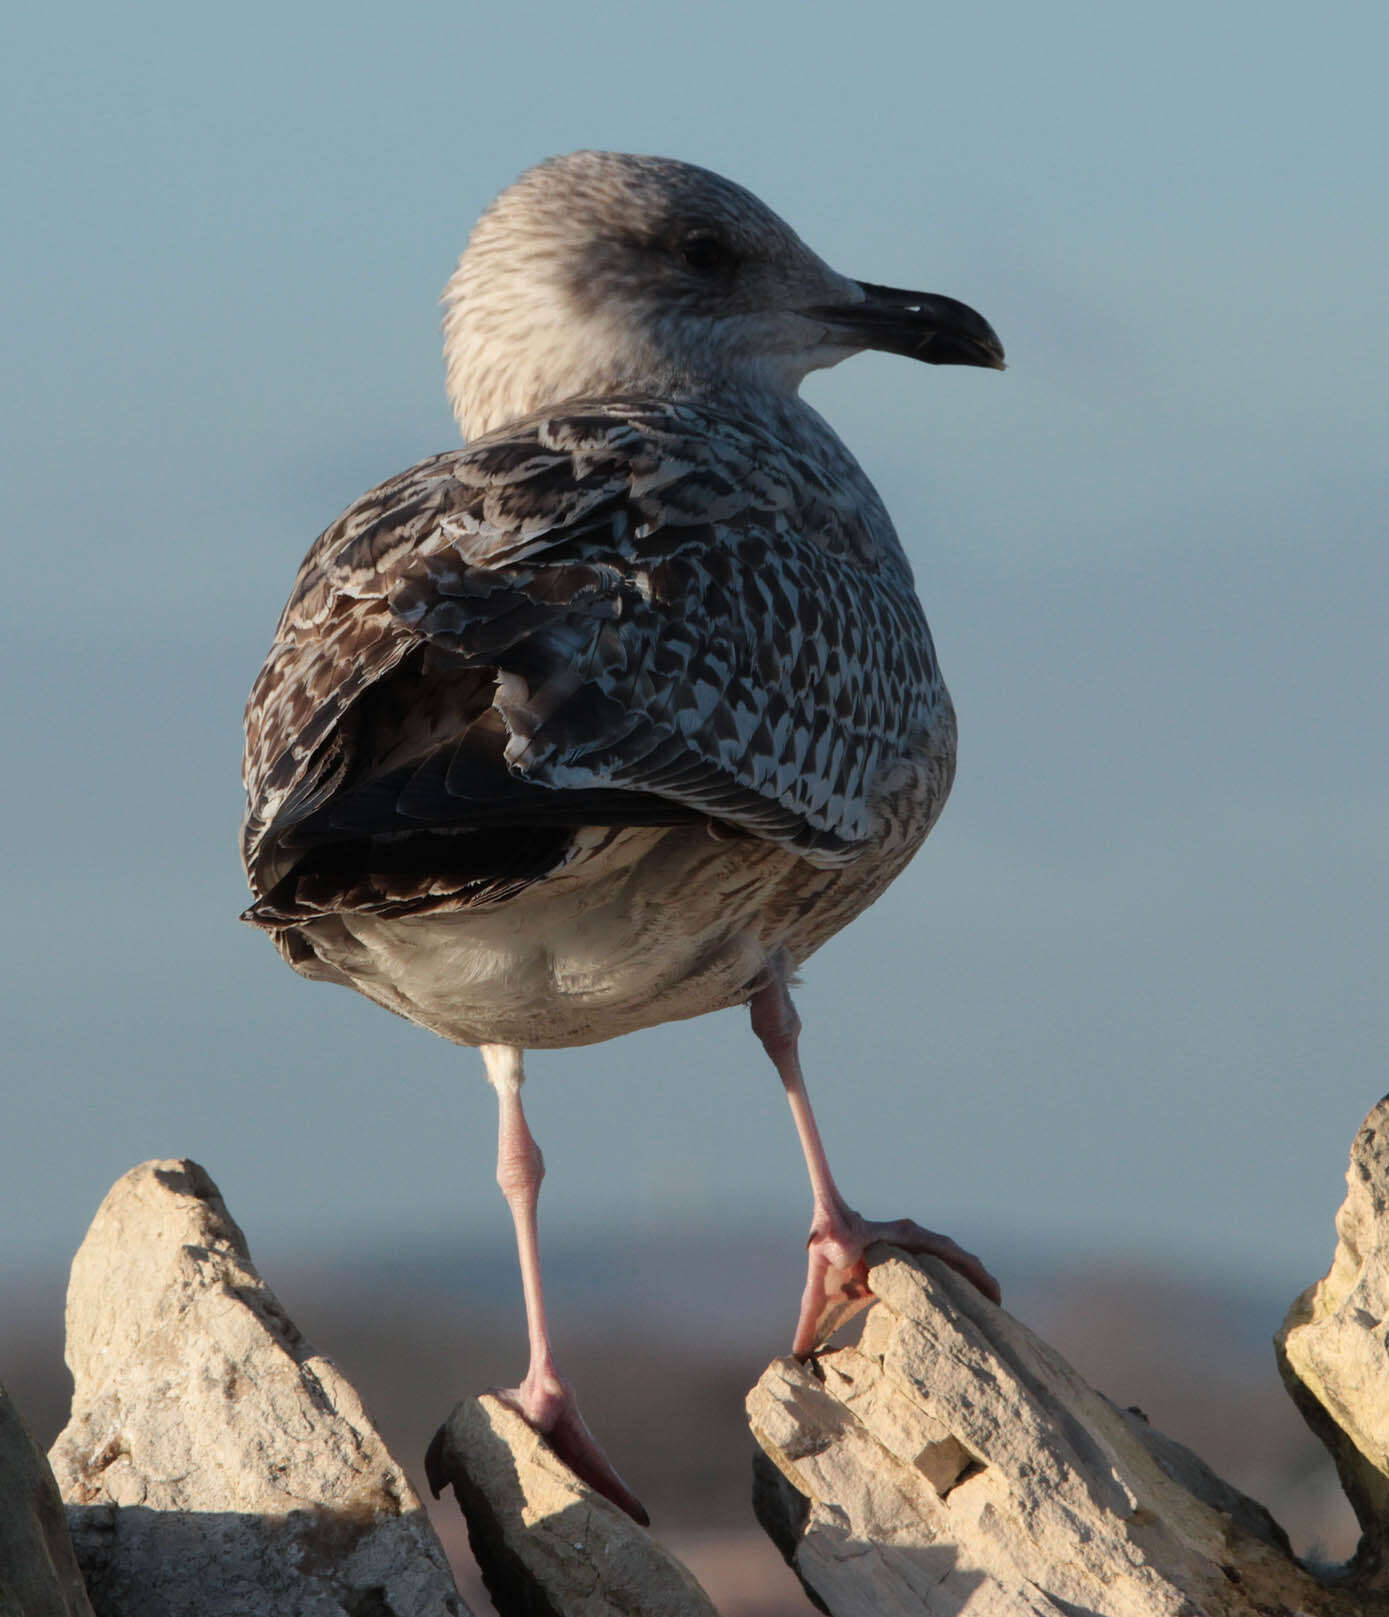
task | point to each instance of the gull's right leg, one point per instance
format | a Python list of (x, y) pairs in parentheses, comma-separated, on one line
[(544, 1399)]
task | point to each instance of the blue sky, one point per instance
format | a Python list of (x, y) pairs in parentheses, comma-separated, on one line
[(1131, 995)]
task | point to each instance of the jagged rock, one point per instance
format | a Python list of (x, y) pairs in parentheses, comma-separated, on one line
[(38, 1572), (548, 1546), (214, 1465), (1333, 1348), (952, 1461)]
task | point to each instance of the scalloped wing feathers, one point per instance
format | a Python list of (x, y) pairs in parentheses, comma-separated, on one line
[(655, 600)]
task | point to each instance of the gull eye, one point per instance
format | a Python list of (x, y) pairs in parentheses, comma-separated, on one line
[(705, 253)]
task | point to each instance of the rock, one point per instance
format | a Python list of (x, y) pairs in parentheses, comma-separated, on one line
[(214, 1464), (952, 1461), (548, 1546), (1333, 1348), (38, 1571)]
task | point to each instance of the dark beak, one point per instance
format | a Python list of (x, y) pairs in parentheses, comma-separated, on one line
[(921, 325)]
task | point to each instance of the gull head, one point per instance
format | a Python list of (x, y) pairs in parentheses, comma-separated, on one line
[(602, 273)]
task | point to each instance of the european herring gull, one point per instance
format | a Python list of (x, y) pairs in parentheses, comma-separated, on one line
[(615, 715)]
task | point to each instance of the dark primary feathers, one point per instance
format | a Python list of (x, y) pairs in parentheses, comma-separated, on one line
[(629, 612)]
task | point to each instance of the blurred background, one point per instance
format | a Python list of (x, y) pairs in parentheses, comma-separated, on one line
[(1117, 1025)]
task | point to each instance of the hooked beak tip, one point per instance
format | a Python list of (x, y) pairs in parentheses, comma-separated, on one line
[(919, 325)]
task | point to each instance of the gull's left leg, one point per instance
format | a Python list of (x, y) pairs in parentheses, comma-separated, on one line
[(836, 1284), (544, 1399)]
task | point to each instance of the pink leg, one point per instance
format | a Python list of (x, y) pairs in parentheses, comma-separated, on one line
[(544, 1399), (836, 1285)]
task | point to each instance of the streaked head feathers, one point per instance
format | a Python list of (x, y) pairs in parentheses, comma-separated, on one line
[(602, 273)]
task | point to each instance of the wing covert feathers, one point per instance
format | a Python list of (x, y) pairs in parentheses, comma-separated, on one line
[(656, 599)]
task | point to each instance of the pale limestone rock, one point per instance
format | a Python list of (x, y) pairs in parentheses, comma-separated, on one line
[(38, 1572), (1333, 1348), (545, 1541), (952, 1461), (214, 1464)]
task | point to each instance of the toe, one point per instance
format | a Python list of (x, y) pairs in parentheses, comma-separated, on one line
[(911, 1237)]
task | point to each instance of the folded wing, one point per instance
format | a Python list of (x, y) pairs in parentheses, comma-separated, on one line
[(626, 613)]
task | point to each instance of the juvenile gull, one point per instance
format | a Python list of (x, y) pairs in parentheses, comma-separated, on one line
[(614, 716)]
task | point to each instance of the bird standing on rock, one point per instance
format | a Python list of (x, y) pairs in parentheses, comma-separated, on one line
[(616, 714)]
